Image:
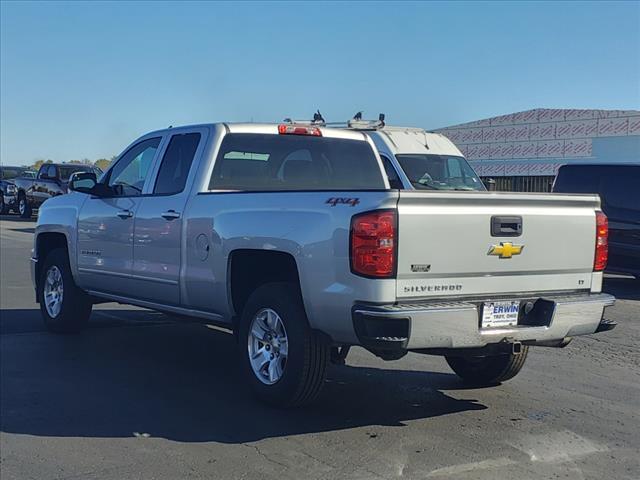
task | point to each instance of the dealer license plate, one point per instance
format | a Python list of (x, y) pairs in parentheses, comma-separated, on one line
[(500, 314)]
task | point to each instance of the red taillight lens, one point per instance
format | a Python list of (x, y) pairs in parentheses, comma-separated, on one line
[(602, 242), (284, 129), (373, 244)]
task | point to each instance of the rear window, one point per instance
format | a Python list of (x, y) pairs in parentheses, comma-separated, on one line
[(578, 179), (618, 186), (622, 191), (258, 162)]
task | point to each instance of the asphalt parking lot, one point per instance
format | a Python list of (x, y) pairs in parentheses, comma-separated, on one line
[(139, 395)]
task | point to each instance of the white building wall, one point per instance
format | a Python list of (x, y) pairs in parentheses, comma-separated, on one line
[(536, 142)]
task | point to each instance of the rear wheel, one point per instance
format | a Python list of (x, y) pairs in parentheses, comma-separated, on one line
[(282, 358), (24, 209), (3, 206), (490, 369), (64, 307)]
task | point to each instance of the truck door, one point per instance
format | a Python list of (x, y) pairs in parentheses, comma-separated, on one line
[(157, 246), (105, 224), (37, 195)]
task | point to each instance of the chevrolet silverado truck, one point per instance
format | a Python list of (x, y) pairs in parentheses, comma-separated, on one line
[(51, 180), (291, 236)]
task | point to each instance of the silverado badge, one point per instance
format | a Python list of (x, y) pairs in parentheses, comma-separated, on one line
[(505, 250)]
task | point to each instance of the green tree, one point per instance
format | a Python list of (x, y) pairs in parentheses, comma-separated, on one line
[(38, 163), (102, 163)]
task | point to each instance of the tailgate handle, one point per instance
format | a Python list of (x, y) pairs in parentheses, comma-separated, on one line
[(506, 226)]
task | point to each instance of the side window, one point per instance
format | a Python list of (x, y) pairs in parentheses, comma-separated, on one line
[(176, 163), (392, 175), (51, 172), (42, 173), (129, 173)]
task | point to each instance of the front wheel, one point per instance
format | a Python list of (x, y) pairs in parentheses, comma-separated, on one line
[(24, 209), (488, 370), (282, 358), (64, 307)]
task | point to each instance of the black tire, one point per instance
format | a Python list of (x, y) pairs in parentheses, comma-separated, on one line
[(489, 370), (75, 307), (304, 371), (24, 209), (4, 209)]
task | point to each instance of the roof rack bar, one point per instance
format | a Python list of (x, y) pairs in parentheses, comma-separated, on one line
[(356, 123)]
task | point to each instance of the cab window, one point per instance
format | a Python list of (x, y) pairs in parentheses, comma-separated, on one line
[(176, 163), (128, 175)]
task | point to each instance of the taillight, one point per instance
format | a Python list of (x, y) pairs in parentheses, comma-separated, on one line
[(373, 244), (292, 129), (602, 242)]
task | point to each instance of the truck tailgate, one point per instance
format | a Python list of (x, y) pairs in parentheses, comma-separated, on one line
[(446, 246)]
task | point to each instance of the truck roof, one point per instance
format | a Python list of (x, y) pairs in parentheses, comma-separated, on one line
[(407, 140), (268, 128)]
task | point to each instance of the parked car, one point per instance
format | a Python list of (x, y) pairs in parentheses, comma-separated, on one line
[(292, 236), (51, 180), (619, 188), (8, 189)]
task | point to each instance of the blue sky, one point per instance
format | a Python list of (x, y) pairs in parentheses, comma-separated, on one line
[(84, 79)]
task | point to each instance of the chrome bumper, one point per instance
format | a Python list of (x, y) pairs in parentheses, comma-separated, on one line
[(445, 325)]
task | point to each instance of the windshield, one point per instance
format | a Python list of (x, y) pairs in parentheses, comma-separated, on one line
[(439, 172)]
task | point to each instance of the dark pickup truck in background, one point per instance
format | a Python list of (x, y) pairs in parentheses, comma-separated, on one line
[(51, 180), (619, 188)]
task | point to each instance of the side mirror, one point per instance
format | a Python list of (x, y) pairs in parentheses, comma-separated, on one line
[(490, 184), (83, 182)]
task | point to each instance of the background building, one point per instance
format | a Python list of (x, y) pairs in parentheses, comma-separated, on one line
[(523, 151)]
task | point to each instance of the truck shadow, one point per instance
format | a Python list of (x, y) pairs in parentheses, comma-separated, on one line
[(182, 382)]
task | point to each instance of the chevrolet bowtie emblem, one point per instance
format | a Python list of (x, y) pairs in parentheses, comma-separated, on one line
[(505, 250)]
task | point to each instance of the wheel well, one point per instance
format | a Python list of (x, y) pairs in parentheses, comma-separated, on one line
[(251, 268), (45, 243)]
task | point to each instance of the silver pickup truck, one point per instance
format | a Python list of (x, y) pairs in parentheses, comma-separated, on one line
[(291, 236)]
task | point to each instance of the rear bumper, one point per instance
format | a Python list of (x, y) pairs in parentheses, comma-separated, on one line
[(453, 325)]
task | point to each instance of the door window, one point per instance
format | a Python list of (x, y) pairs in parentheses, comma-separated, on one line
[(130, 172), (176, 163), (51, 172), (42, 173)]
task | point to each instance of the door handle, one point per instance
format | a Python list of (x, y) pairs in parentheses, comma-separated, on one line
[(124, 214), (170, 215)]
